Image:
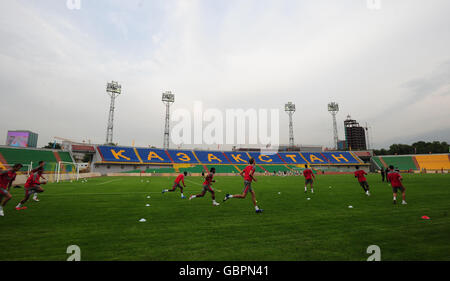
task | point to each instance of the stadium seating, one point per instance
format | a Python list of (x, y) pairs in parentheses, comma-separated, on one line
[(276, 168), (266, 158), (378, 162), (153, 155), (341, 158), (213, 157), (434, 162), (9, 156), (403, 163), (195, 161), (115, 154), (223, 168)]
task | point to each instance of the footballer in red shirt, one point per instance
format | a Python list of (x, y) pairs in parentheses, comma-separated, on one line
[(209, 179), (395, 179), (33, 185), (176, 184), (248, 175), (41, 166), (309, 175), (6, 180), (360, 174)]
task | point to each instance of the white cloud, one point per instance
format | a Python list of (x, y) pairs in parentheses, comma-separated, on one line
[(242, 54)]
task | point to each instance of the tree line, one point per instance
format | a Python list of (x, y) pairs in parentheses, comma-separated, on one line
[(419, 147)]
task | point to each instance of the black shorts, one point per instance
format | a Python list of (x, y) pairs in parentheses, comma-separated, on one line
[(4, 191), (175, 185), (207, 187), (247, 187), (364, 184), (395, 188), (32, 189), (310, 181)]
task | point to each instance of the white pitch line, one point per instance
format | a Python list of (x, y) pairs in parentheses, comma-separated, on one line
[(218, 190), (115, 193), (108, 182), (193, 182)]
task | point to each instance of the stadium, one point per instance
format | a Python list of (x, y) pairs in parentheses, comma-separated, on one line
[(107, 200)]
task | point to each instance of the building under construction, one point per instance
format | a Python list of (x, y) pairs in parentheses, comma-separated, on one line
[(355, 135)]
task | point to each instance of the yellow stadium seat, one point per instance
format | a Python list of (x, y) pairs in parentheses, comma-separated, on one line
[(434, 162)]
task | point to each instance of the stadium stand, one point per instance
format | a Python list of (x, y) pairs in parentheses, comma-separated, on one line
[(276, 168), (434, 162), (378, 163), (196, 161), (292, 158), (213, 157), (223, 168), (153, 155), (9, 156), (121, 155), (403, 163)]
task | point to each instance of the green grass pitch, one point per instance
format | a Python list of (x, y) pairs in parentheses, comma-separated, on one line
[(101, 217)]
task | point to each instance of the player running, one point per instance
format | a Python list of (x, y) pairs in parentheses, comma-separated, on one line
[(177, 184), (362, 179), (395, 179), (41, 166), (309, 175), (209, 179), (33, 185), (248, 175), (6, 180)]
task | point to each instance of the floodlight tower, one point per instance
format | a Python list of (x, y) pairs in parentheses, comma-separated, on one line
[(113, 89), (290, 109), (167, 98), (333, 108)]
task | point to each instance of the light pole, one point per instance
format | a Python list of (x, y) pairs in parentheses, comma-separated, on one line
[(113, 89), (167, 98), (333, 108), (290, 109)]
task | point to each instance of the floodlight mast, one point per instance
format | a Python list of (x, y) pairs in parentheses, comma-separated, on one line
[(333, 108), (113, 89), (290, 109), (167, 98)]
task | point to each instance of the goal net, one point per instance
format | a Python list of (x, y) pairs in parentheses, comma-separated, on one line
[(67, 171)]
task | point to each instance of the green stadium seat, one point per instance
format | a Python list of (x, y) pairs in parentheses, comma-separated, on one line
[(26, 156)]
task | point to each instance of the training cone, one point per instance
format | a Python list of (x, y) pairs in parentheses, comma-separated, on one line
[(425, 217)]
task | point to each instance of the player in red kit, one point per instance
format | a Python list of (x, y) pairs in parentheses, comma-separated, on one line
[(309, 175), (395, 179), (41, 166), (209, 179), (176, 184), (6, 180), (247, 174), (33, 185), (360, 174)]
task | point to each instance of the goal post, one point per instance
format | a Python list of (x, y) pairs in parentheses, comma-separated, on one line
[(68, 171)]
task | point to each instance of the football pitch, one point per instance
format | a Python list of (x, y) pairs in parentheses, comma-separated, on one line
[(102, 215)]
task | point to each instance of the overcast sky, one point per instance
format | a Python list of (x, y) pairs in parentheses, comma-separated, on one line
[(389, 67)]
